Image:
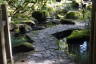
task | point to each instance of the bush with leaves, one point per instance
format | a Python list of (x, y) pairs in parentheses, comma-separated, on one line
[(24, 8)]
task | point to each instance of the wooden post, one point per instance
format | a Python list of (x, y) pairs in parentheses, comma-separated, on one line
[(7, 34), (3, 59), (92, 54)]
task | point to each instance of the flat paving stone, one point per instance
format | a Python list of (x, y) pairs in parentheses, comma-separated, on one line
[(45, 46)]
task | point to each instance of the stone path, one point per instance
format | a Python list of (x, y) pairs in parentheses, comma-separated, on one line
[(46, 48)]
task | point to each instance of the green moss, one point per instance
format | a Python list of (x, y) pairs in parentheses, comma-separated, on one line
[(73, 15), (79, 34), (27, 44), (17, 41)]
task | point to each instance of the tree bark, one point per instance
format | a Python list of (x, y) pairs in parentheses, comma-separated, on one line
[(92, 53)]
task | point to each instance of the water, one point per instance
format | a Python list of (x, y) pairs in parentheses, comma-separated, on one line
[(83, 47), (80, 54)]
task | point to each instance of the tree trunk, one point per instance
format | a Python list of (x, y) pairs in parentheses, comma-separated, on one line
[(92, 56)]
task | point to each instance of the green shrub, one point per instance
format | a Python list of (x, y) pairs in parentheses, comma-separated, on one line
[(45, 12), (50, 9)]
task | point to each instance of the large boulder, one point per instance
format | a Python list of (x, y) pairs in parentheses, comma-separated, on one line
[(22, 48), (73, 15), (40, 16), (21, 44), (78, 36)]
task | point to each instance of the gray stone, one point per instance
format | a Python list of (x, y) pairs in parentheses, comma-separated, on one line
[(45, 45)]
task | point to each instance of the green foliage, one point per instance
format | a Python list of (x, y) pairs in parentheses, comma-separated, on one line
[(89, 7), (17, 41), (1, 1), (24, 8), (50, 9), (73, 15), (79, 34), (61, 13), (86, 14)]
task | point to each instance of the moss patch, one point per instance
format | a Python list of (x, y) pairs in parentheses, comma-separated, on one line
[(73, 15), (21, 44), (22, 40), (79, 34)]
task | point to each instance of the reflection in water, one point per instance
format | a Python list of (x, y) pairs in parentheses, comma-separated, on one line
[(83, 47), (79, 52)]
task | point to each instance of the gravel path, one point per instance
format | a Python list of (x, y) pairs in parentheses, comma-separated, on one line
[(46, 48)]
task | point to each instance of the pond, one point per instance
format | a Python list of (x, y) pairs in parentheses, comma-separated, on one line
[(78, 52)]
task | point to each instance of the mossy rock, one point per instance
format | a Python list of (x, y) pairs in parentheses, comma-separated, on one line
[(78, 37), (21, 44), (79, 34), (67, 21), (23, 47), (40, 16), (73, 15)]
